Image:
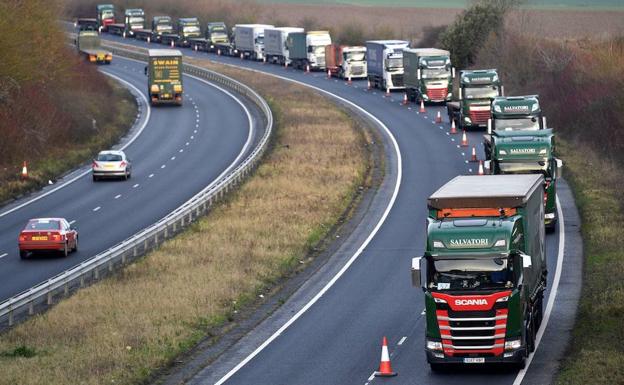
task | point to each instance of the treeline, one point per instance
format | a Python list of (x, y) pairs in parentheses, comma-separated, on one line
[(48, 96)]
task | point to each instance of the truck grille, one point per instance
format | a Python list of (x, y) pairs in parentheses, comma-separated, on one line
[(472, 332), (479, 115), (397, 80), (357, 70), (437, 94)]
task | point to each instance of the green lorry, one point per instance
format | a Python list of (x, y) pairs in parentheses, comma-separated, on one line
[(89, 46), (428, 74), (160, 25), (187, 28), (134, 20), (216, 33), (484, 270), (105, 16), (477, 89), (164, 76)]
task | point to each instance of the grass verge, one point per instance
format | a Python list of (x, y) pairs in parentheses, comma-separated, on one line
[(596, 354), (59, 160), (124, 328)]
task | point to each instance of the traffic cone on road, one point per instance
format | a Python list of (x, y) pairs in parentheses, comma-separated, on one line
[(481, 168), (385, 368), (369, 85), (405, 99), (464, 141), (219, 52), (349, 80), (307, 68), (453, 127), (438, 118), (422, 107), (473, 157), (172, 44), (387, 95), (24, 171)]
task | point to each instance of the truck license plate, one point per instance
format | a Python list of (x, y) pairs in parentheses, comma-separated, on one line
[(474, 360)]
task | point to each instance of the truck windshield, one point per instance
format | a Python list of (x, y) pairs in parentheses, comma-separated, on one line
[(190, 29), (489, 92), (355, 56), (107, 14), (218, 30), (393, 63), (260, 40), (164, 27), (436, 73), (466, 274), (531, 124), (136, 20)]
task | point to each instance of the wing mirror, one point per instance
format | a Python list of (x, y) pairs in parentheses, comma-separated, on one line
[(489, 126), (416, 269), (526, 261), (487, 164), (559, 163), (419, 74)]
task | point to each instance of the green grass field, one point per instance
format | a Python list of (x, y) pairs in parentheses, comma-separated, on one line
[(542, 4)]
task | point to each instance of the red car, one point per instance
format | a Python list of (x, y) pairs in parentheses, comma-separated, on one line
[(48, 234)]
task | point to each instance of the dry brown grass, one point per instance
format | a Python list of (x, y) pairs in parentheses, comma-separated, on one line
[(121, 329)]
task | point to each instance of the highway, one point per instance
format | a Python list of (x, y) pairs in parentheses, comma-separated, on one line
[(176, 153), (330, 330)]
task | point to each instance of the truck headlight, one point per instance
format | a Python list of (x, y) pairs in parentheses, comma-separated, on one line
[(154, 89), (435, 345), (502, 152), (500, 243), (425, 96), (497, 109), (438, 245), (177, 88), (503, 299), (467, 120), (513, 344), (543, 151)]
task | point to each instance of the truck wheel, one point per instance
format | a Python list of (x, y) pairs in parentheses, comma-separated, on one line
[(530, 336), (437, 368)]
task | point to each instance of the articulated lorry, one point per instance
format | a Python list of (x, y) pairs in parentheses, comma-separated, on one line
[(86, 24), (307, 49), (249, 40), (187, 28), (164, 76), (428, 74), (105, 16), (160, 25), (484, 270), (215, 34), (134, 19), (275, 47), (347, 62), (89, 46), (476, 91), (384, 60)]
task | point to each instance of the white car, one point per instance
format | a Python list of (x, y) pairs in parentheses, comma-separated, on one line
[(111, 164)]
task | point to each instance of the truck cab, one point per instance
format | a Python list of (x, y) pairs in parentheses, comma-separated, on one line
[(428, 74), (249, 40), (347, 62), (477, 90), (105, 16), (187, 28), (483, 272), (134, 19), (385, 63), (216, 33), (164, 76)]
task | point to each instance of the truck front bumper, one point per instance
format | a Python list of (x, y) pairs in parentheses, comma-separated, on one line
[(510, 357)]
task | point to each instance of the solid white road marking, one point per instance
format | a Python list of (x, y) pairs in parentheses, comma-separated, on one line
[(551, 295), (194, 131), (192, 136), (117, 196), (148, 113), (187, 143), (97, 208), (402, 340), (4, 255)]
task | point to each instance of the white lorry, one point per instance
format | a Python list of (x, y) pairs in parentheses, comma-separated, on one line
[(249, 40), (308, 49), (275, 47), (385, 63)]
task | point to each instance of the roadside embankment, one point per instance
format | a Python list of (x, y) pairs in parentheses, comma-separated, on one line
[(123, 329)]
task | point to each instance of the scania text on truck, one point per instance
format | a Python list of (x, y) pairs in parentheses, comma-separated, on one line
[(346, 61), (384, 60), (134, 20), (428, 74), (89, 46), (216, 33), (476, 91), (160, 25), (249, 40), (105, 16), (513, 113), (164, 76), (483, 272), (275, 46), (529, 152), (307, 49)]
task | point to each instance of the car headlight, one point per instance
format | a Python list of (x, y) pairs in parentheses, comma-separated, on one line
[(435, 345), (513, 344)]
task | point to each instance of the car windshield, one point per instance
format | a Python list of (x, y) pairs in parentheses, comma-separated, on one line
[(41, 224), (469, 274), (190, 29), (489, 92), (436, 73), (109, 158), (355, 56), (394, 62), (531, 124)]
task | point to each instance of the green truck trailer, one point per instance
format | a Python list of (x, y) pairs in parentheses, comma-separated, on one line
[(164, 76), (476, 91), (428, 74), (89, 46), (484, 270)]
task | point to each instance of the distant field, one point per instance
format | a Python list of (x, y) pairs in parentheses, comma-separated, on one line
[(550, 4)]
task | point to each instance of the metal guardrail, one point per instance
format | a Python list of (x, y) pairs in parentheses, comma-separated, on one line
[(43, 295)]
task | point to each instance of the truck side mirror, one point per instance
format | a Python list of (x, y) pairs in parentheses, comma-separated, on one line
[(418, 74), (489, 126), (453, 72), (502, 91), (416, 281), (487, 164), (459, 93), (559, 163), (526, 261), (544, 126)]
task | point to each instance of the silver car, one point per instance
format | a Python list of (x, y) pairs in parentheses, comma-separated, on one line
[(111, 164)]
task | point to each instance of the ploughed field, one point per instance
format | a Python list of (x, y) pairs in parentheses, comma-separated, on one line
[(559, 4)]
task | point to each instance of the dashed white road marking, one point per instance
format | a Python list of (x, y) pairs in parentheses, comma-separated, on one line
[(163, 166), (97, 208), (117, 196), (173, 158), (402, 340), (151, 176), (192, 137), (181, 150), (194, 131), (4, 255), (135, 186), (187, 143)]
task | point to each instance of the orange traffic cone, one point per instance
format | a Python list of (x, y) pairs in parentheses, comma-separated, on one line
[(369, 85), (453, 127), (307, 68), (219, 52), (385, 368), (172, 44), (473, 157), (328, 74), (438, 118), (405, 99), (464, 141), (24, 171), (387, 95), (481, 168), (422, 107), (349, 80)]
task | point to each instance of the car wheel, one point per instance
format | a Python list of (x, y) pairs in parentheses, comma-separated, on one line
[(23, 254)]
